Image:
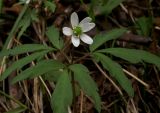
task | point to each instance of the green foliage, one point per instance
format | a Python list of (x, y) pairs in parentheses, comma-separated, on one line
[(20, 63), (28, 17), (24, 23), (144, 26), (34, 15), (102, 38), (53, 75), (105, 6), (1, 5), (17, 110), (62, 96), (81, 74), (133, 55), (53, 35), (109, 6), (41, 68), (50, 5), (116, 71), (57, 72), (15, 27), (24, 49)]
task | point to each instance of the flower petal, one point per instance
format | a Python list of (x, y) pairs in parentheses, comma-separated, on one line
[(67, 31), (74, 19), (86, 20), (86, 39), (87, 26), (27, 1), (75, 41)]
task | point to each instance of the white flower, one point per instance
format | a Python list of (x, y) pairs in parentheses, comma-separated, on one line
[(27, 1), (78, 30)]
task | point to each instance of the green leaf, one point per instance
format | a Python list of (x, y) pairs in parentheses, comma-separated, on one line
[(34, 15), (102, 38), (62, 96), (53, 75), (104, 6), (87, 84), (53, 35), (24, 49), (133, 55), (116, 71), (20, 63), (109, 6), (15, 27), (1, 5), (144, 25), (50, 5), (17, 110), (24, 23), (41, 68)]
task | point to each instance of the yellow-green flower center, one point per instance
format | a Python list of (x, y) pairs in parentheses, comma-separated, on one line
[(77, 31)]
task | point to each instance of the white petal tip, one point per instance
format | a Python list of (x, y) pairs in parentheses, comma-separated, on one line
[(67, 31), (27, 1), (91, 42), (74, 19), (87, 26), (75, 45), (86, 39), (75, 41)]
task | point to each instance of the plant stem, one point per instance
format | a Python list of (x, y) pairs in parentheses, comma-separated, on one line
[(74, 92)]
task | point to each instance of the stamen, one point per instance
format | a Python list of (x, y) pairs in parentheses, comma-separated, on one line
[(77, 31)]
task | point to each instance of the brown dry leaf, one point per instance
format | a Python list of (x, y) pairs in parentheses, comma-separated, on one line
[(16, 8), (157, 21), (129, 37)]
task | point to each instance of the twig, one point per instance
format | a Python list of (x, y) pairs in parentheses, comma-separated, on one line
[(136, 78), (124, 8), (25, 91), (41, 102), (44, 84), (134, 107), (10, 97), (81, 102), (100, 69), (35, 94), (81, 58), (3, 105), (127, 12)]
